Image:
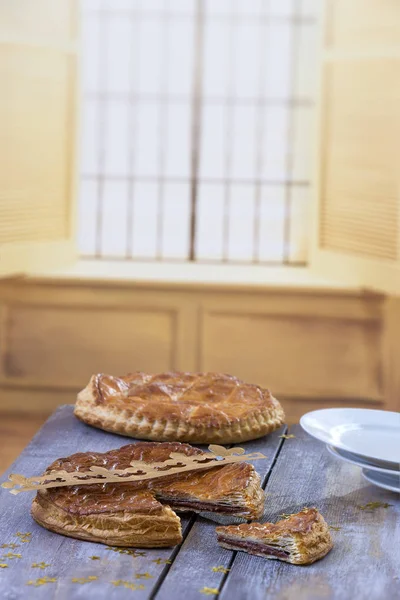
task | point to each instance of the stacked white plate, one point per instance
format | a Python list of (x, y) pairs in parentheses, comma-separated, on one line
[(367, 438)]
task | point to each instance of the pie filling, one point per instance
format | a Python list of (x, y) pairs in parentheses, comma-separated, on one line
[(255, 547), (204, 506)]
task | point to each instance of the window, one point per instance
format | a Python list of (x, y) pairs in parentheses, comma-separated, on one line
[(196, 129)]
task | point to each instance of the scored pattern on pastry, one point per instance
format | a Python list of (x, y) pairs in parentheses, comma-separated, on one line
[(137, 471), (200, 408)]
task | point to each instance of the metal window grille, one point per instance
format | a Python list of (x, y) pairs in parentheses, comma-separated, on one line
[(196, 129)]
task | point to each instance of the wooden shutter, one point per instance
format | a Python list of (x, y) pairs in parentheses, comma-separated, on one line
[(38, 107), (357, 200)]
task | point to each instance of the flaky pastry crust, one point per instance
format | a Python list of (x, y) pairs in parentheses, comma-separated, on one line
[(300, 539), (141, 514), (200, 408)]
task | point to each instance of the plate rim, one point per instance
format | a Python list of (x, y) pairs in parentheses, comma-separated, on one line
[(336, 453), (383, 486), (342, 446)]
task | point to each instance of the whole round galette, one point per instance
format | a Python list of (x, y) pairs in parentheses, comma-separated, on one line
[(199, 408)]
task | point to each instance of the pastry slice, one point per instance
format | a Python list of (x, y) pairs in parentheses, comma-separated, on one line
[(112, 516), (300, 539), (231, 490), (201, 408), (141, 514)]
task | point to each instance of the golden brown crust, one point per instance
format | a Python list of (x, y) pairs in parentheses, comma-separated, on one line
[(140, 529), (200, 408), (300, 539), (132, 514)]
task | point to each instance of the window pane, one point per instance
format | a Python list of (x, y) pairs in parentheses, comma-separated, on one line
[(210, 221), (145, 220), (87, 217), (176, 220), (119, 54), (213, 142), (241, 223), (178, 139), (147, 140), (271, 224), (216, 59), (244, 142), (116, 156), (114, 219), (275, 143)]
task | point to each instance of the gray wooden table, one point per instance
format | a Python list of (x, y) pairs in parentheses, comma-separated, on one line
[(365, 562)]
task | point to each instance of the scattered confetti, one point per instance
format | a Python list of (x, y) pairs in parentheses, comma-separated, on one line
[(3, 566), (209, 591), (41, 565), (25, 538), (11, 546), (129, 551), (12, 555), (129, 585), (335, 528), (287, 436), (143, 576), (84, 579), (94, 557), (220, 569), (162, 561), (42, 581), (373, 505)]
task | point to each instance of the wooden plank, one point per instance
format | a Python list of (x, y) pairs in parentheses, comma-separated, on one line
[(364, 562), (68, 558), (192, 569)]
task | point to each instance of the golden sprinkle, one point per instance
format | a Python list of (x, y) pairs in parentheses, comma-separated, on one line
[(41, 565), (129, 585), (162, 561), (84, 579), (12, 555), (287, 516), (287, 436), (25, 538), (129, 551), (94, 557), (209, 591), (42, 581), (220, 569), (12, 546), (3, 566), (373, 505), (143, 576), (335, 528)]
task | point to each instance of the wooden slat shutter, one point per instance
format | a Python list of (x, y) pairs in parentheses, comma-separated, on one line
[(38, 122), (357, 204)]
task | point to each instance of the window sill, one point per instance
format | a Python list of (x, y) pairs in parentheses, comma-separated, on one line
[(191, 275)]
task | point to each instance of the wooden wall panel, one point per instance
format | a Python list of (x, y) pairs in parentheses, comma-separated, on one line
[(295, 356), (63, 346), (313, 349)]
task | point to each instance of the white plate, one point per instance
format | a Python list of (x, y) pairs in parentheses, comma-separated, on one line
[(373, 434), (357, 460), (382, 480)]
